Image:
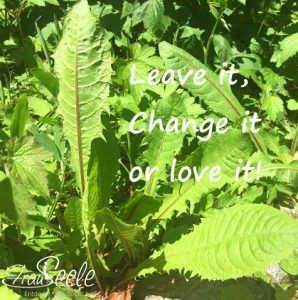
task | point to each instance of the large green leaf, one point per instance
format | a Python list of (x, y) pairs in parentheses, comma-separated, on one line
[(218, 97), (287, 48), (162, 147), (129, 235), (154, 18), (27, 165), (16, 203), (214, 153), (83, 65), (234, 242), (101, 175)]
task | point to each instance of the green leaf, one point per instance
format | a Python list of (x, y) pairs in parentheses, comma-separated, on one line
[(42, 222), (19, 117), (274, 107), (290, 263), (234, 242), (129, 235), (162, 147), (138, 207), (43, 2), (143, 57), (39, 107), (101, 175), (16, 203), (270, 170), (44, 140), (292, 104), (222, 48), (218, 97), (214, 153), (83, 65), (154, 18), (73, 214), (287, 48), (48, 80), (27, 165), (6, 293)]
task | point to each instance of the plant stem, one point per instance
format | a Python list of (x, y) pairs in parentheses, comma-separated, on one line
[(2, 95), (54, 205), (129, 149), (43, 44), (124, 166), (294, 144), (210, 40)]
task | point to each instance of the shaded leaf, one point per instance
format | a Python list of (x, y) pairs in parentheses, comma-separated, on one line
[(287, 48), (19, 117), (234, 242)]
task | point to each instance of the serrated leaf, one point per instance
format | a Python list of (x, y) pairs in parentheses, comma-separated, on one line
[(101, 174), (222, 48), (27, 165), (239, 146), (143, 56), (16, 203), (270, 170), (83, 65), (218, 97), (162, 148), (287, 48), (154, 18), (274, 107), (234, 242), (129, 235)]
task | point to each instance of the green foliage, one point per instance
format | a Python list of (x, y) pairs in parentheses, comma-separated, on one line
[(161, 146), (238, 145), (26, 165), (286, 49), (154, 18), (129, 235), (219, 98), (19, 117), (235, 242), (83, 66)]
